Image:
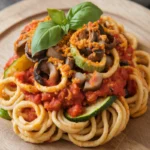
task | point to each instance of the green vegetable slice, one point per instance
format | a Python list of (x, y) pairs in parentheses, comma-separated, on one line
[(86, 64), (93, 110), (4, 114), (21, 64)]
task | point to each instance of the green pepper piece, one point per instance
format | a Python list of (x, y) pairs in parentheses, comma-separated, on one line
[(4, 114), (86, 64)]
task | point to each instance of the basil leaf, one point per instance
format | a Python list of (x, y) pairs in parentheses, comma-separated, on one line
[(57, 16), (46, 35), (65, 28), (83, 13)]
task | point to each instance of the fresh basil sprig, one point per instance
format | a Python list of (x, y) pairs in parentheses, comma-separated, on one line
[(58, 16), (83, 13), (46, 35), (49, 33)]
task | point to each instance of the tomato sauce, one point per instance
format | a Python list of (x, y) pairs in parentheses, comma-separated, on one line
[(125, 55), (114, 85), (72, 98), (36, 98), (66, 98), (131, 87), (25, 76), (29, 114), (75, 110)]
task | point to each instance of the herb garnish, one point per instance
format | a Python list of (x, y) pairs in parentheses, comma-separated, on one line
[(51, 32)]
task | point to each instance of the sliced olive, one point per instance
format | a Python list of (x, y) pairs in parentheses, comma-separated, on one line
[(96, 55), (102, 32), (94, 82), (86, 52), (37, 56), (93, 37), (70, 61), (126, 93), (52, 52), (124, 63), (81, 77), (46, 68), (99, 53), (37, 71), (111, 42)]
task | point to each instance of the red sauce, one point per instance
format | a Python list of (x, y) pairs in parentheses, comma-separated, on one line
[(53, 101), (36, 98), (72, 98), (47, 96), (57, 101), (25, 76), (29, 114), (113, 85), (53, 104), (10, 61), (75, 110), (131, 87), (125, 55)]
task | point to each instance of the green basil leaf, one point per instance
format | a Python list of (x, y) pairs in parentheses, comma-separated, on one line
[(65, 28), (83, 13), (46, 35), (57, 16)]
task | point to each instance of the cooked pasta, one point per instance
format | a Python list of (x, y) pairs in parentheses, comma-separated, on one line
[(83, 89), (10, 96), (104, 129), (40, 130)]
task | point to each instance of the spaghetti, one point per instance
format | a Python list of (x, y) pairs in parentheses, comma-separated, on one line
[(61, 97)]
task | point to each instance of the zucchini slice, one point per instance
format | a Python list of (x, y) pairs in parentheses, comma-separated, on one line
[(4, 114), (87, 64), (21, 64), (93, 110)]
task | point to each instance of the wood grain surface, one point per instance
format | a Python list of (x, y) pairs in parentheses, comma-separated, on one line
[(134, 17)]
